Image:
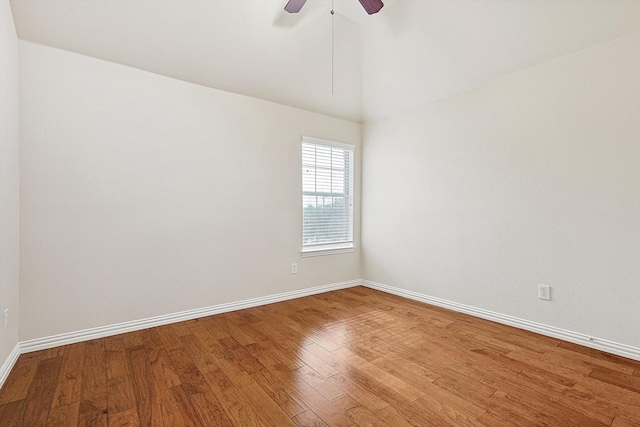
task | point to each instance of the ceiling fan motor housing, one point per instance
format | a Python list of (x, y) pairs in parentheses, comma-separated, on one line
[(371, 6)]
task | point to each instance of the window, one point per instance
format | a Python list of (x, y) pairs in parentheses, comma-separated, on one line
[(327, 197)]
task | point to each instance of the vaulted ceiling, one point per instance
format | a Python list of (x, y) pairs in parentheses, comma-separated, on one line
[(409, 54)]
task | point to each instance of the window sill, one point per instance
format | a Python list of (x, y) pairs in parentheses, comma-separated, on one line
[(327, 251)]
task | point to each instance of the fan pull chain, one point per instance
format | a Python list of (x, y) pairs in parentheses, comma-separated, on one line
[(332, 44)]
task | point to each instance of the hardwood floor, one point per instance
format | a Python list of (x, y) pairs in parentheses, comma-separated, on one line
[(355, 357)]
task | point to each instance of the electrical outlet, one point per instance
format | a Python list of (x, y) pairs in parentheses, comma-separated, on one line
[(544, 292), (294, 268), (6, 318)]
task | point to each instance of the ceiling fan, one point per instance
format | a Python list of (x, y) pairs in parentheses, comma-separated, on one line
[(371, 6)]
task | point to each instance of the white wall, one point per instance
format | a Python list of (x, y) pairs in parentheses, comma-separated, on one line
[(9, 181), (142, 195), (533, 178)]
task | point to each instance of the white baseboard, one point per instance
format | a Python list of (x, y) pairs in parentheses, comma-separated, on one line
[(136, 325), (551, 331), (119, 328), (8, 364)]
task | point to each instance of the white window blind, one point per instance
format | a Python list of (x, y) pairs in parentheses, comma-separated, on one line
[(327, 194)]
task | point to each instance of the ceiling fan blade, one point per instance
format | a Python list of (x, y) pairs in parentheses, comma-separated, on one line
[(294, 6), (371, 6)]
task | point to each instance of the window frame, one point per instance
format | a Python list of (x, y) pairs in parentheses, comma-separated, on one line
[(339, 247)]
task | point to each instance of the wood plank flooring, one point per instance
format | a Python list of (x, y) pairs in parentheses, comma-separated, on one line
[(354, 357)]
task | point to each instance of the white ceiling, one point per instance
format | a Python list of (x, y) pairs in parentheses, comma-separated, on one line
[(409, 54)]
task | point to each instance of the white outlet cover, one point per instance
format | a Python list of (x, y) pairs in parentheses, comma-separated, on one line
[(544, 292)]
